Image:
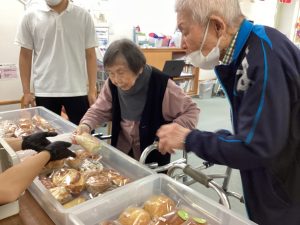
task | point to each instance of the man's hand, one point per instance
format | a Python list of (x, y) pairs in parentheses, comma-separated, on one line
[(37, 141), (59, 150), (29, 99), (171, 137)]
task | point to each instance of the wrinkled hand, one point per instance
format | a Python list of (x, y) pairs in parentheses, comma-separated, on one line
[(82, 128), (37, 141), (59, 150), (171, 137), (28, 99)]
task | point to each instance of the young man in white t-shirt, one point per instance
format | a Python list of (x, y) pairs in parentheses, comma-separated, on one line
[(58, 43)]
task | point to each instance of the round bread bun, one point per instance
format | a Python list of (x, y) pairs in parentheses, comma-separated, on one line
[(97, 184), (74, 163), (159, 205), (71, 179), (134, 215), (61, 194)]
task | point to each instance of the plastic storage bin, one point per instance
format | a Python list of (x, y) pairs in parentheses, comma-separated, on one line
[(136, 194), (111, 157), (61, 125), (8, 158)]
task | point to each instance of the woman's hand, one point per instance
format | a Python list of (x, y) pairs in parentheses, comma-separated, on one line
[(82, 128)]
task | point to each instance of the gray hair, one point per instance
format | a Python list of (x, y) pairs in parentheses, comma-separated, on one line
[(200, 10), (127, 49)]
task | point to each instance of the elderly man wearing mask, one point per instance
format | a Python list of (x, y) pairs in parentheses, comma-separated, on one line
[(259, 69)]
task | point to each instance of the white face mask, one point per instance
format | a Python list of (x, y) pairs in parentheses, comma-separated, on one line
[(53, 2), (208, 62)]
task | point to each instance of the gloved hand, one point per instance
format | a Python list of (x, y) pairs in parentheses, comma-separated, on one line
[(59, 150), (37, 141)]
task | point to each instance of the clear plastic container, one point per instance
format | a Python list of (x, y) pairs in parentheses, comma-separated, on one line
[(135, 194), (60, 124), (112, 158), (8, 158)]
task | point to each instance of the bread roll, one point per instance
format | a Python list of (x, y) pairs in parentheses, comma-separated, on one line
[(42, 123), (134, 216), (74, 202), (61, 194), (97, 184), (74, 163), (88, 142), (71, 179), (159, 205)]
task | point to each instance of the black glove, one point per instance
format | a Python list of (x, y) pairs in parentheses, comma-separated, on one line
[(37, 141), (59, 150)]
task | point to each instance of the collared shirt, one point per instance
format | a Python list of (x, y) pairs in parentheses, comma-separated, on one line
[(58, 41), (230, 50)]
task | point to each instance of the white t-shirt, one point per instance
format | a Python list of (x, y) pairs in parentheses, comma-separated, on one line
[(58, 42)]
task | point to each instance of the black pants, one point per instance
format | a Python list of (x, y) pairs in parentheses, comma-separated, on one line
[(75, 107)]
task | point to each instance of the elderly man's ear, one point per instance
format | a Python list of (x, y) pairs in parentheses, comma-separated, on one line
[(218, 24)]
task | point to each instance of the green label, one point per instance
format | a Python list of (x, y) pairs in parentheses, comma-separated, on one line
[(200, 220), (183, 214)]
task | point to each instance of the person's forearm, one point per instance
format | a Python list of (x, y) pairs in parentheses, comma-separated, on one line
[(91, 62), (17, 178), (25, 63)]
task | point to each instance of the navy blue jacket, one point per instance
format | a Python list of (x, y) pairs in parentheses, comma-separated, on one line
[(262, 84)]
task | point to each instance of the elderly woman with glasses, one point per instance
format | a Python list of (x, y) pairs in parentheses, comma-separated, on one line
[(138, 99)]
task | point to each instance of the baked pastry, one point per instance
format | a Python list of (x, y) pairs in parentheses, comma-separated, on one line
[(88, 142), (97, 184), (71, 179), (47, 182), (74, 202), (88, 166), (74, 163), (172, 218), (42, 123), (134, 215), (61, 194), (116, 178), (159, 205), (7, 128)]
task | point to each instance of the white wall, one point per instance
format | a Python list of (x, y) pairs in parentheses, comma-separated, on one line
[(10, 14), (287, 16), (261, 12), (122, 16), (151, 16)]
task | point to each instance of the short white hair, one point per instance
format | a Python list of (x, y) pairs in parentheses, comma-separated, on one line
[(201, 10)]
